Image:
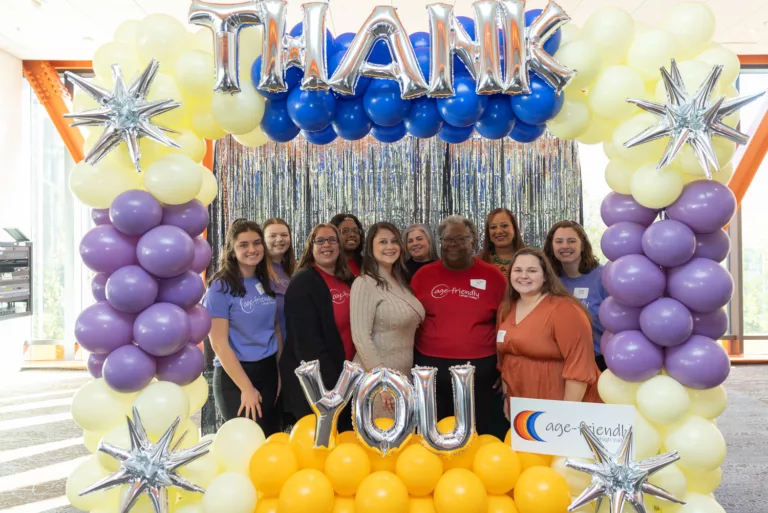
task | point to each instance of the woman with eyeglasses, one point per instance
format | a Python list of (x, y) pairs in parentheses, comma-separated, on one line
[(277, 234), (502, 239), (317, 305), (461, 295), (352, 234), (244, 334), (385, 313), (420, 247)]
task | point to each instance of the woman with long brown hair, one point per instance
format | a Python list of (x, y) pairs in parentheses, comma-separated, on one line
[(502, 239), (277, 235), (544, 338)]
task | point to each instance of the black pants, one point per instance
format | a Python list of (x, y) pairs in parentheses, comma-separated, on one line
[(489, 402), (263, 375), (600, 361)]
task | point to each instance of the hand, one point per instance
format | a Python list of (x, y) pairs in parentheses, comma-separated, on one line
[(388, 402), (506, 408), (498, 385), (250, 403), (279, 387)]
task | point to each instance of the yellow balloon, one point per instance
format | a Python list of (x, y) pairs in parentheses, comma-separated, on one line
[(204, 469), (647, 438), (419, 469), (197, 391), (487, 439), (98, 408), (91, 440), (121, 54), (126, 32), (612, 30), (347, 437), (651, 50), (687, 162), (202, 122), (191, 145), (193, 73), (303, 441), (173, 179), (191, 433), (380, 463), (161, 37), (642, 153), (719, 55), (698, 503), (584, 56), (610, 152), (343, 505), (280, 438), (251, 40), (119, 437), (600, 130), (501, 504), (577, 481), (608, 96), (270, 467), (663, 400), (671, 479), (572, 120), (238, 113), (568, 33), (164, 88), (618, 175), (306, 491), (694, 73), (692, 24), (253, 139), (529, 460), (654, 188), (382, 492), (698, 442), (498, 467), (196, 507), (460, 491), (709, 403), (704, 482), (346, 467), (541, 490), (97, 186), (230, 492), (87, 473), (235, 443), (421, 505), (203, 40), (209, 188), (159, 404)]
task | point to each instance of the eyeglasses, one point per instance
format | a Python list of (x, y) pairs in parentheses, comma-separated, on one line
[(460, 239), (348, 231), (322, 240)]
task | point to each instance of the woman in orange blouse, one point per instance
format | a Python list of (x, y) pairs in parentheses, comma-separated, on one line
[(545, 339)]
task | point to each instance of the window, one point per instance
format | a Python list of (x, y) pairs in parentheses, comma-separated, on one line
[(594, 190)]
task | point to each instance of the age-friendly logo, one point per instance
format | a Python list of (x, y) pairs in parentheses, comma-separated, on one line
[(339, 297), (248, 305), (443, 290), (525, 425)]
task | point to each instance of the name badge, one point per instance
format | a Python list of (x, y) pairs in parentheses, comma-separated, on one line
[(478, 284), (500, 336), (260, 288), (581, 292)]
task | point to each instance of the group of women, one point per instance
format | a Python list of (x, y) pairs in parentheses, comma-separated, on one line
[(526, 319)]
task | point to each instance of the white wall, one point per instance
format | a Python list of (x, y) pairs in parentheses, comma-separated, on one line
[(14, 181)]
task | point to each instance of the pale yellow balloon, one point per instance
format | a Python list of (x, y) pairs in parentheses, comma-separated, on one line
[(119, 156), (600, 130), (663, 400), (191, 145), (671, 479), (164, 87), (251, 41), (162, 37), (694, 73), (194, 73), (191, 433), (230, 492), (704, 482), (204, 125), (618, 175), (197, 391), (614, 390), (719, 55), (97, 186), (86, 474), (119, 437), (608, 96), (654, 188), (612, 29), (96, 407), (91, 440), (699, 443), (203, 470), (723, 176), (687, 162), (159, 404), (577, 481), (173, 179), (121, 54), (641, 27), (692, 24), (584, 56), (577, 95), (238, 113), (568, 33), (647, 438), (642, 153), (699, 503), (650, 50), (126, 32), (203, 40), (709, 403), (194, 507), (609, 150), (209, 189), (253, 139), (235, 443)]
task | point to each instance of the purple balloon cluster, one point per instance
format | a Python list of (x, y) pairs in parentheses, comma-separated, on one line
[(667, 287), (147, 320)]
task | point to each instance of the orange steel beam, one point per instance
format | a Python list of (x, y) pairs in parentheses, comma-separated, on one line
[(73, 65), (750, 161), (753, 60)]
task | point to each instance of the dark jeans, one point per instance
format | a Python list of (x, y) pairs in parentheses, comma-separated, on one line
[(263, 374), (489, 402), (600, 361)]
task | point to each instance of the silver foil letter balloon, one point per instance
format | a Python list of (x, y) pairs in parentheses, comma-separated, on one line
[(225, 20), (327, 405), (424, 382), (382, 24), (374, 383)]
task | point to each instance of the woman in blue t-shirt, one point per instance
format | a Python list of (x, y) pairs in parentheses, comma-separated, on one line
[(568, 249), (244, 329)]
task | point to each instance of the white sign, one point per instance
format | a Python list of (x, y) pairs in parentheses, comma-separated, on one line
[(552, 427)]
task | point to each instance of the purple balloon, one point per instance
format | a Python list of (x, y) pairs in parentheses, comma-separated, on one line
[(714, 246), (713, 324), (666, 322), (700, 363), (634, 280), (622, 238), (620, 207), (96, 364), (605, 339), (98, 286), (199, 324), (166, 251), (182, 367), (192, 217), (185, 290), (616, 317), (161, 329), (131, 289), (105, 249), (129, 369), (100, 216), (704, 205), (669, 243), (632, 357), (135, 212), (702, 285), (102, 329), (202, 255)]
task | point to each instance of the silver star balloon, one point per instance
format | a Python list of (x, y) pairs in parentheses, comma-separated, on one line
[(691, 119), (148, 467), (618, 477), (125, 113)]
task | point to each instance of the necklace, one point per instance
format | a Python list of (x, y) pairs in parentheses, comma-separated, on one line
[(498, 260)]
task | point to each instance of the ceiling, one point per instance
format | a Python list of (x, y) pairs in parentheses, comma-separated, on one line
[(74, 29)]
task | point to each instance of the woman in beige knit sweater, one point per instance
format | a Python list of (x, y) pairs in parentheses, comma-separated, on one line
[(384, 312)]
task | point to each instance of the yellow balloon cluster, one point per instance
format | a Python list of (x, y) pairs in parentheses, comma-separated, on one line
[(618, 58)]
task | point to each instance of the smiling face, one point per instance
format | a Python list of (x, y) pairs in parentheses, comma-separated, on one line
[(527, 275), (249, 249), (325, 248), (566, 244), (501, 230), (386, 247), (350, 235), (278, 240), (456, 246), (418, 245)]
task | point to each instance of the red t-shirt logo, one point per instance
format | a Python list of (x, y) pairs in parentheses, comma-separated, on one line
[(440, 291), (339, 296)]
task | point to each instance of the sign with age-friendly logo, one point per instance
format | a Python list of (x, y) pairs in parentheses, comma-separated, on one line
[(552, 427)]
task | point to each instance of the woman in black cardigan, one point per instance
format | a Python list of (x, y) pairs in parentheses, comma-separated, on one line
[(317, 319)]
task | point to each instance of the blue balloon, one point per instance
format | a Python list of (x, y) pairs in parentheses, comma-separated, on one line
[(525, 133), (388, 134), (468, 24), (424, 120), (422, 55), (276, 122), (465, 107), (362, 82), (383, 103), (539, 106), (298, 30), (498, 119), (351, 122), (293, 76), (553, 43), (380, 54), (342, 42), (311, 110), (321, 137), (420, 40), (455, 134)]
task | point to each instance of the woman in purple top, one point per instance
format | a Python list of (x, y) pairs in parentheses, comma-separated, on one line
[(244, 331), (568, 249), (277, 235)]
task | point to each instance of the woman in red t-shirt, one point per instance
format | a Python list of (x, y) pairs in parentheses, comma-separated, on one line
[(317, 319), (352, 236)]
